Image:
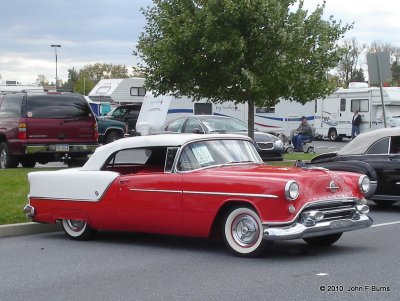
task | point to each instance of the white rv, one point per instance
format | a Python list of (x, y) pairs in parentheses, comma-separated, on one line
[(156, 111), (14, 86), (119, 90), (334, 113)]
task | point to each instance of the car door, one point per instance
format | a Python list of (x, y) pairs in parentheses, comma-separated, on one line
[(383, 157), (149, 199)]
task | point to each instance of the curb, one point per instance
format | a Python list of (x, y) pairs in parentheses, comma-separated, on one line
[(27, 229)]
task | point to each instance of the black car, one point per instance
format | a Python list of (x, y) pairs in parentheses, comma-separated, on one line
[(376, 154), (125, 113), (268, 146)]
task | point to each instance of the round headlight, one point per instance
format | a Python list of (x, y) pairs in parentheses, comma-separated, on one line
[(278, 143), (364, 184), (292, 190)]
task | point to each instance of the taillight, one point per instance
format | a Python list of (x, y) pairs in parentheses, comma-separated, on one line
[(22, 130), (96, 131)]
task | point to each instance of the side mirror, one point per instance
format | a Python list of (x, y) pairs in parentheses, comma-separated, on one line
[(197, 131)]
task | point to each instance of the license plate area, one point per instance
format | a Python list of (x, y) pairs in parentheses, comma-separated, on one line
[(62, 148)]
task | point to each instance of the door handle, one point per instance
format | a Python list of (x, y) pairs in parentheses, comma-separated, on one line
[(122, 181)]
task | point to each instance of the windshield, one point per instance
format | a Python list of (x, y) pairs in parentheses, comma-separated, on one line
[(224, 125), (217, 152)]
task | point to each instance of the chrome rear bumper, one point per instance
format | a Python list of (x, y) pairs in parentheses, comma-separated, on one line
[(299, 230)]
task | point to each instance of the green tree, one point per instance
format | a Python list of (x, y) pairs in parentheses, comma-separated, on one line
[(99, 71), (84, 85), (72, 80), (254, 51)]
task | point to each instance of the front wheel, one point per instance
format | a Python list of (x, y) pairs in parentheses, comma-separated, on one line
[(242, 232), (77, 229), (325, 240), (112, 136)]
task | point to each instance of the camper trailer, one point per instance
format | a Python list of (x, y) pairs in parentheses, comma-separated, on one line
[(10, 86), (119, 90), (334, 113), (156, 111)]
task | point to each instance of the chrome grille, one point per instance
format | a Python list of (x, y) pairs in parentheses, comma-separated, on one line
[(265, 145), (332, 210)]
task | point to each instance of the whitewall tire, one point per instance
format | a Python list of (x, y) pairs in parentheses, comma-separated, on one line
[(77, 229), (243, 232)]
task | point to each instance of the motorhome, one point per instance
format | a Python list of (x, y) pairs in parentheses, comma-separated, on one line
[(334, 113), (157, 110), (15, 86), (119, 90)]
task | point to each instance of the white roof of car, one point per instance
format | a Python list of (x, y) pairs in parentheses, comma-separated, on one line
[(96, 161), (363, 142)]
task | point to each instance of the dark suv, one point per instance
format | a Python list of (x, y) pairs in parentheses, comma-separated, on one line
[(45, 127), (125, 113)]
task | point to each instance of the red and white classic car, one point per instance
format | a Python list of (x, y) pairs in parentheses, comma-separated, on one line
[(199, 185)]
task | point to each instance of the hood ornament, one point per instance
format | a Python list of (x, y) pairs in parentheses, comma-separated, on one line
[(333, 187)]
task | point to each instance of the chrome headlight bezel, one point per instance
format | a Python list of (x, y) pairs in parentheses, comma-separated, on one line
[(364, 184), (292, 190), (278, 143)]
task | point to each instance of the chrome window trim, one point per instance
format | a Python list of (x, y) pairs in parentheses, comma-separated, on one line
[(268, 196)]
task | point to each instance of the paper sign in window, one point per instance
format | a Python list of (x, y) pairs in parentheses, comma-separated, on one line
[(202, 155)]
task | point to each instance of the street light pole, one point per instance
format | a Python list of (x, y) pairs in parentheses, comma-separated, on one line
[(55, 49)]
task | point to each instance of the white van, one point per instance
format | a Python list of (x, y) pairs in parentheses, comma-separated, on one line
[(334, 113)]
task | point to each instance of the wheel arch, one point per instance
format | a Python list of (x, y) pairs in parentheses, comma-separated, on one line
[(215, 230)]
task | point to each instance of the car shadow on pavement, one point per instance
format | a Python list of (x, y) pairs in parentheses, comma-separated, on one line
[(164, 243)]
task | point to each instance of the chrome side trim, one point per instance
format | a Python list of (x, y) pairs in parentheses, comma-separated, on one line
[(155, 190), (268, 196)]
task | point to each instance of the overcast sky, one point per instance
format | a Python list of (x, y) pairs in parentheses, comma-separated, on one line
[(92, 31)]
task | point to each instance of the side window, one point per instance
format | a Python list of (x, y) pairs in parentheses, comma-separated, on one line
[(379, 147), (395, 145), (192, 125), (343, 105), (175, 126), (138, 91), (11, 106), (265, 110), (170, 158), (131, 156), (360, 105), (119, 112)]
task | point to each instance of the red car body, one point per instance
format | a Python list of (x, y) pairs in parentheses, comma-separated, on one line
[(166, 196)]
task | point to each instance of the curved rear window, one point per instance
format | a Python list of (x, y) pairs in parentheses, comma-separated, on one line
[(57, 106)]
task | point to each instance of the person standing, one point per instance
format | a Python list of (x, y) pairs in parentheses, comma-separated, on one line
[(355, 125), (304, 132)]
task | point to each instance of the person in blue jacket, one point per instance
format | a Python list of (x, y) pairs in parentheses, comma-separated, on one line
[(355, 125)]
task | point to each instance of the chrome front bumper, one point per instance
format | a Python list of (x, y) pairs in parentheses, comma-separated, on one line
[(299, 230)]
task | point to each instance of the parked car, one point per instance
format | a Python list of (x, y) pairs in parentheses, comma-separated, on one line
[(376, 154), (111, 130), (200, 186), (125, 113), (268, 146), (45, 127)]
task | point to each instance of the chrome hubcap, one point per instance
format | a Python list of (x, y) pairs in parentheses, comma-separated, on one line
[(76, 225), (245, 230)]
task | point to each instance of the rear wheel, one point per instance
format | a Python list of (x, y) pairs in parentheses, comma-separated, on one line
[(77, 229), (243, 232), (325, 240), (332, 135), (112, 136), (6, 159)]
